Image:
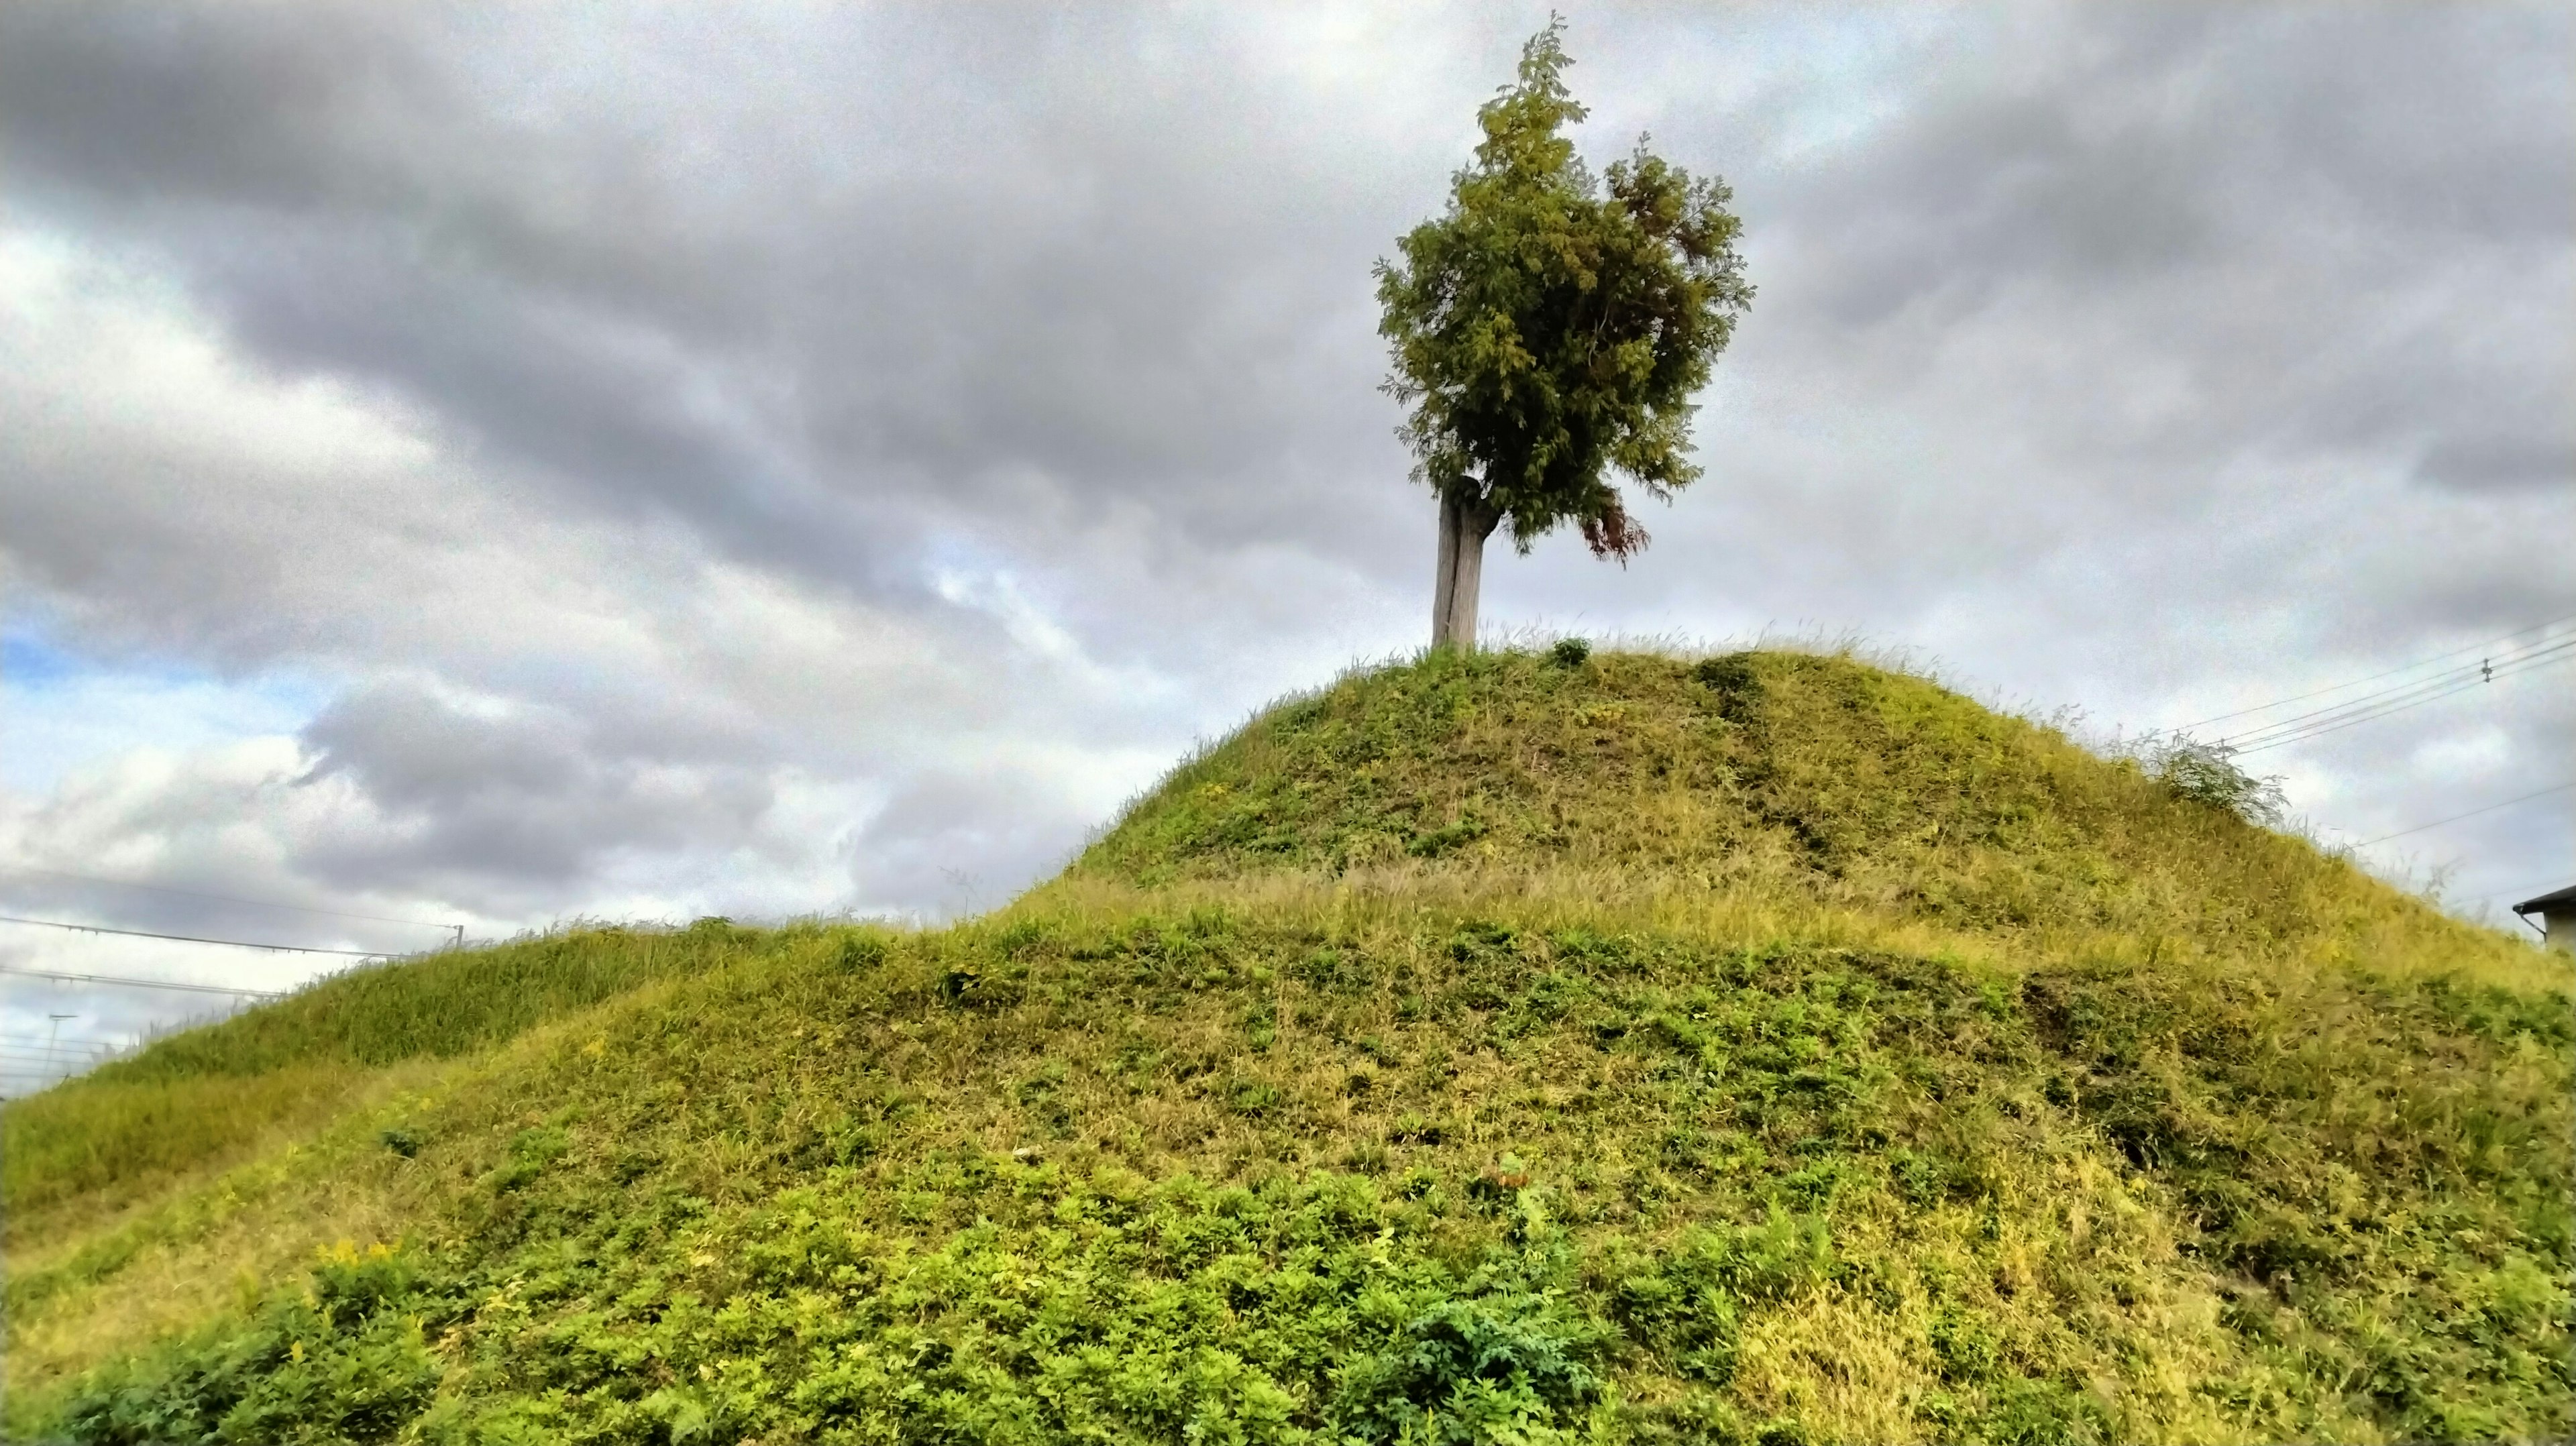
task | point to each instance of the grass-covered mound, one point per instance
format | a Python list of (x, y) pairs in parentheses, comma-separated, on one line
[(1651, 1107), (1782, 777)]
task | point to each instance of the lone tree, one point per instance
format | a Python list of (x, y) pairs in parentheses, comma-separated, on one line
[(1547, 335)]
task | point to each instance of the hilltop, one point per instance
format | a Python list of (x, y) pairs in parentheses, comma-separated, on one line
[(1767, 1048)]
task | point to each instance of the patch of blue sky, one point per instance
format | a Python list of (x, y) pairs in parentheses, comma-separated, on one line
[(62, 709), (1809, 79), (29, 661)]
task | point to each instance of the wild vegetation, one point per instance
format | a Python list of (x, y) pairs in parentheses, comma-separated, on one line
[(1499, 1047)]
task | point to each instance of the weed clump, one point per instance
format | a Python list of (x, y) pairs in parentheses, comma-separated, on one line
[(2207, 774)]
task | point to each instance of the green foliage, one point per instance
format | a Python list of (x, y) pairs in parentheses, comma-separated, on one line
[(1164, 1313), (1549, 329), (342, 1360), (1569, 652), (1508, 1366)]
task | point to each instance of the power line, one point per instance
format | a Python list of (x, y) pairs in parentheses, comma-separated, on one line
[(77, 1040), (143, 983), (219, 898), (68, 1056), (2487, 670), (2283, 735), (2375, 677), (2472, 813), (2484, 670), (2338, 725), (2540, 887), (61, 1067), (195, 939)]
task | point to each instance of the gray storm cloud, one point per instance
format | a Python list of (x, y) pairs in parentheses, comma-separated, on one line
[(522, 793)]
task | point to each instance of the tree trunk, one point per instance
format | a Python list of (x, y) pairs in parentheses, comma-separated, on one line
[(1459, 574)]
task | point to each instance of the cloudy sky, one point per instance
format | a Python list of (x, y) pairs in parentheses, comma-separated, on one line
[(503, 464)]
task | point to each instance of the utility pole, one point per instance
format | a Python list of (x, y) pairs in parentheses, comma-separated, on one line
[(53, 1034)]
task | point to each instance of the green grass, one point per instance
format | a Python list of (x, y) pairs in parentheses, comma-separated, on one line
[(1487, 1049)]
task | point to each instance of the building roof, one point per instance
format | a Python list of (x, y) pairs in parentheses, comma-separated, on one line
[(2555, 899)]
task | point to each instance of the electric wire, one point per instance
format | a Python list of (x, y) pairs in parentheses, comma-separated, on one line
[(2533, 889), (62, 1070), (2482, 671), (217, 898), (68, 1041), (2340, 724), (2487, 670), (2263, 741), (67, 1056), (195, 938), (2375, 677), (81, 1057), (68, 1045), (143, 983), (2361, 718), (2472, 813), (2422, 689)]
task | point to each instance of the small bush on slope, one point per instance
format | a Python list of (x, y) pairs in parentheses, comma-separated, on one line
[(2208, 774)]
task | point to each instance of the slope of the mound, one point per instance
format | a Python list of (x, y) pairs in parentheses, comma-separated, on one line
[(113, 1138), (1146, 1160)]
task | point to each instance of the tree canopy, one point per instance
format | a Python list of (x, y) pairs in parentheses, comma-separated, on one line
[(1550, 328)]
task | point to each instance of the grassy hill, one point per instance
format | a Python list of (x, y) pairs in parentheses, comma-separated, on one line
[(1766, 1048)]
